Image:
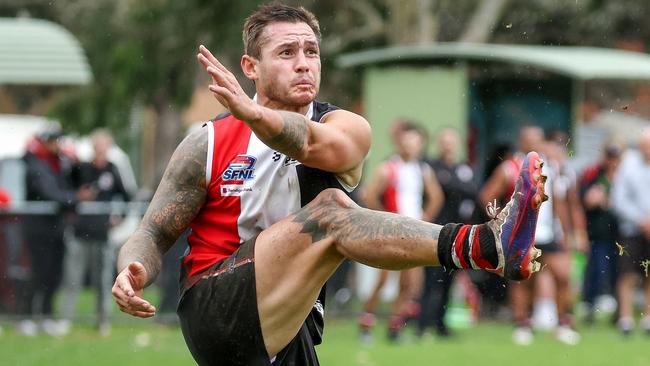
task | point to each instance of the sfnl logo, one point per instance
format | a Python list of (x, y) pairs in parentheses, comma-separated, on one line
[(240, 168)]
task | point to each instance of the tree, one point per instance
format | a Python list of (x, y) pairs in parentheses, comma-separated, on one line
[(141, 53)]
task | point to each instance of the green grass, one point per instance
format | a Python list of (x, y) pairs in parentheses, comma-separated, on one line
[(146, 343), (143, 342)]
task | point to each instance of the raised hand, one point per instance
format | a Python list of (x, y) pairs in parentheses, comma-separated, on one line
[(226, 88)]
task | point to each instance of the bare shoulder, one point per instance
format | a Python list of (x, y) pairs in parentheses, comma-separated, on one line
[(350, 118), (352, 124)]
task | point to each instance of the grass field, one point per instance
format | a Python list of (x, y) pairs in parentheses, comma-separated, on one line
[(146, 343), (143, 342)]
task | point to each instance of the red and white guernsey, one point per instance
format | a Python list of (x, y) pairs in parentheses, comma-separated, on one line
[(405, 188), (250, 187)]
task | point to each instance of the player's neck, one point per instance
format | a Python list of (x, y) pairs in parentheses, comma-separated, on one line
[(268, 103), (406, 158), (448, 159)]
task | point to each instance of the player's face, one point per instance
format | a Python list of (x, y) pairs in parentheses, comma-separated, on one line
[(52, 145), (288, 71), (101, 147), (531, 139), (411, 144), (448, 143)]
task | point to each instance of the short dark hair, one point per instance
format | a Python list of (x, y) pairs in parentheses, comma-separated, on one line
[(402, 125), (273, 13)]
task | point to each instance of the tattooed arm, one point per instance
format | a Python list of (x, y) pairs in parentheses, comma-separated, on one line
[(338, 144), (178, 199)]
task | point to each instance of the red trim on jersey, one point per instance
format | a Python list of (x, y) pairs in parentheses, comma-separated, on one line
[(390, 193), (215, 233)]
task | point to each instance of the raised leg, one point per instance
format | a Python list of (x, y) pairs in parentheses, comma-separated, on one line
[(295, 257)]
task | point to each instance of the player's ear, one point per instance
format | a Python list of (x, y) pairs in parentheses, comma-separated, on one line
[(249, 66)]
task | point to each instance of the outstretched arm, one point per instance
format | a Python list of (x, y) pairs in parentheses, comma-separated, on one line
[(338, 144), (177, 200)]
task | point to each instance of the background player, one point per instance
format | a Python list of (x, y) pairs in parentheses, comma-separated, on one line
[(406, 185)]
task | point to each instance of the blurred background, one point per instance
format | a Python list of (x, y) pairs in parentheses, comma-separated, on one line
[(95, 96)]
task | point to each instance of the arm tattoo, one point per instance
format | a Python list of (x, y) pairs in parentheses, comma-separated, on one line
[(291, 140), (179, 197)]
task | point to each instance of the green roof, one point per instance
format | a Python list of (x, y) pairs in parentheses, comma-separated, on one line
[(583, 63), (39, 52)]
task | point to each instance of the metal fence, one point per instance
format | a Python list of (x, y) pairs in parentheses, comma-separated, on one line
[(15, 266)]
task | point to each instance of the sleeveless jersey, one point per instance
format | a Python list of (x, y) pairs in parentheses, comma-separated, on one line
[(250, 187), (405, 188)]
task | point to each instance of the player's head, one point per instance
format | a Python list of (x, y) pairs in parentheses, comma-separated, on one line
[(448, 143), (50, 136), (530, 138), (102, 142), (612, 152), (282, 54), (410, 140)]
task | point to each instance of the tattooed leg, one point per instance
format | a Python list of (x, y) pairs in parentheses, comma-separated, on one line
[(295, 257)]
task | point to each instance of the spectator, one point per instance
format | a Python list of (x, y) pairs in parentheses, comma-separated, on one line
[(602, 225), (460, 190), (589, 137), (88, 248), (47, 179), (632, 204)]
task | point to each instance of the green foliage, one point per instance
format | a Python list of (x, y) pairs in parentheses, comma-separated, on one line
[(143, 50)]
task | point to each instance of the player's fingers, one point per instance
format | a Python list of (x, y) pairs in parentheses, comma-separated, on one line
[(204, 61), (121, 299), (121, 303), (144, 314), (136, 301), (213, 60), (220, 77), (140, 304), (140, 314), (121, 290), (221, 93), (223, 79)]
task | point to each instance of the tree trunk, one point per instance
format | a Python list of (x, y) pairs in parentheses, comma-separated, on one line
[(411, 22), (481, 25), (168, 135)]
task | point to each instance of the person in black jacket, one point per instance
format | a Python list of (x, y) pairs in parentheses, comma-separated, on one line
[(602, 226), (459, 187), (88, 248), (46, 179)]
